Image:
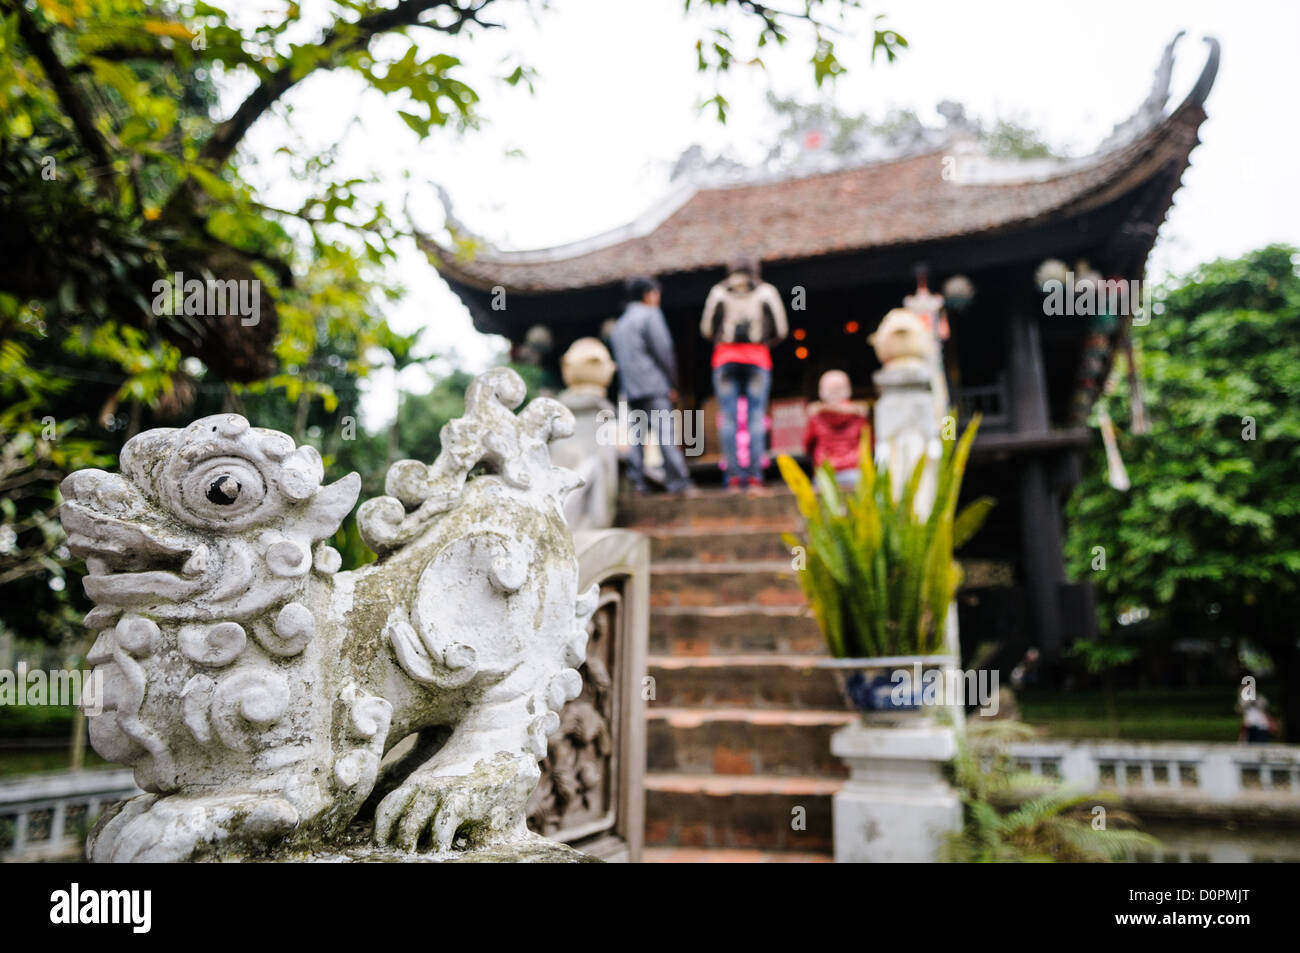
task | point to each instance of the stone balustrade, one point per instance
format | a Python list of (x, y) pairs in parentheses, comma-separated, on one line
[(1218, 773), (46, 816)]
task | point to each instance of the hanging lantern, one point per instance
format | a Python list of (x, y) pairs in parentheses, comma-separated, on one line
[(958, 292), (1052, 269)]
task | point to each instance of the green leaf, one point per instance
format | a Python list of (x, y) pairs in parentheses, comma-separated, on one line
[(970, 519), (417, 124)]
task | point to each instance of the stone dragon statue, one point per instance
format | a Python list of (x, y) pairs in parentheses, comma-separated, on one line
[(255, 689)]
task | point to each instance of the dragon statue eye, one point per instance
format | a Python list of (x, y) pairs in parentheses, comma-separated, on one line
[(224, 490)]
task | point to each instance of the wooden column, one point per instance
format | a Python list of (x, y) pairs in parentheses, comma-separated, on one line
[(1027, 379), (1041, 541), (1041, 537)]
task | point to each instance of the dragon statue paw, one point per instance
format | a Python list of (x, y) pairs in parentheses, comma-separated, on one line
[(470, 809), (149, 829)]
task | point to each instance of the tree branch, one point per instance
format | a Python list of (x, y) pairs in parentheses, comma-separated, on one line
[(342, 38), (64, 85), (124, 53), (302, 215)]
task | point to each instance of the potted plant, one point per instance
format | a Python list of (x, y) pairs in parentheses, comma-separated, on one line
[(879, 576)]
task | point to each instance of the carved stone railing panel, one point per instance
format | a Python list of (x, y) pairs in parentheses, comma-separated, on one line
[(592, 790), (577, 793)]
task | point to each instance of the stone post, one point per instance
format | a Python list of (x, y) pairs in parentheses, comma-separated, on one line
[(905, 427), (588, 369), (897, 805)]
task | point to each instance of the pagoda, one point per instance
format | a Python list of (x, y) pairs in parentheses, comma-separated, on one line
[(844, 241)]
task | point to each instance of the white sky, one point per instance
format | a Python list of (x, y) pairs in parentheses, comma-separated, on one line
[(618, 98)]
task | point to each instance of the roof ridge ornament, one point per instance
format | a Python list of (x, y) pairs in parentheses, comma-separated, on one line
[(1152, 108), (1205, 82)]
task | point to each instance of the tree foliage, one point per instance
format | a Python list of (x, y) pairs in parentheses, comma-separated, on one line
[(116, 172), (851, 134), (1208, 538), (718, 50)]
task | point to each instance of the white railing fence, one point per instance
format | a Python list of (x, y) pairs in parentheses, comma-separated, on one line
[(47, 816), (1209, 771)]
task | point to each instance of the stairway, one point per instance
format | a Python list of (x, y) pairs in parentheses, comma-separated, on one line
[(739, 727)]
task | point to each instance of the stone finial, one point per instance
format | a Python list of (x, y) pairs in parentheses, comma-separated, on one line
[(902, 340), (587, 367), (255, 688)]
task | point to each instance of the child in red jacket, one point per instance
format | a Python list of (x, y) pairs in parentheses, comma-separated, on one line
[(835, 426)]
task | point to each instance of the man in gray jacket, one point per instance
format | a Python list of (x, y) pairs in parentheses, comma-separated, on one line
[(647, 373)]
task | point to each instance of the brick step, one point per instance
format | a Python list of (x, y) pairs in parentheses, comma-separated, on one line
[(769, 583), (744, 681), (732, 630), (730, 544), (755, 812), (722, 855), (741, 741), (773, 505)]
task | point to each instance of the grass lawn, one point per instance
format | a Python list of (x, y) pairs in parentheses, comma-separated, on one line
[(16, 762), (37, 738), (1190, 714)]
